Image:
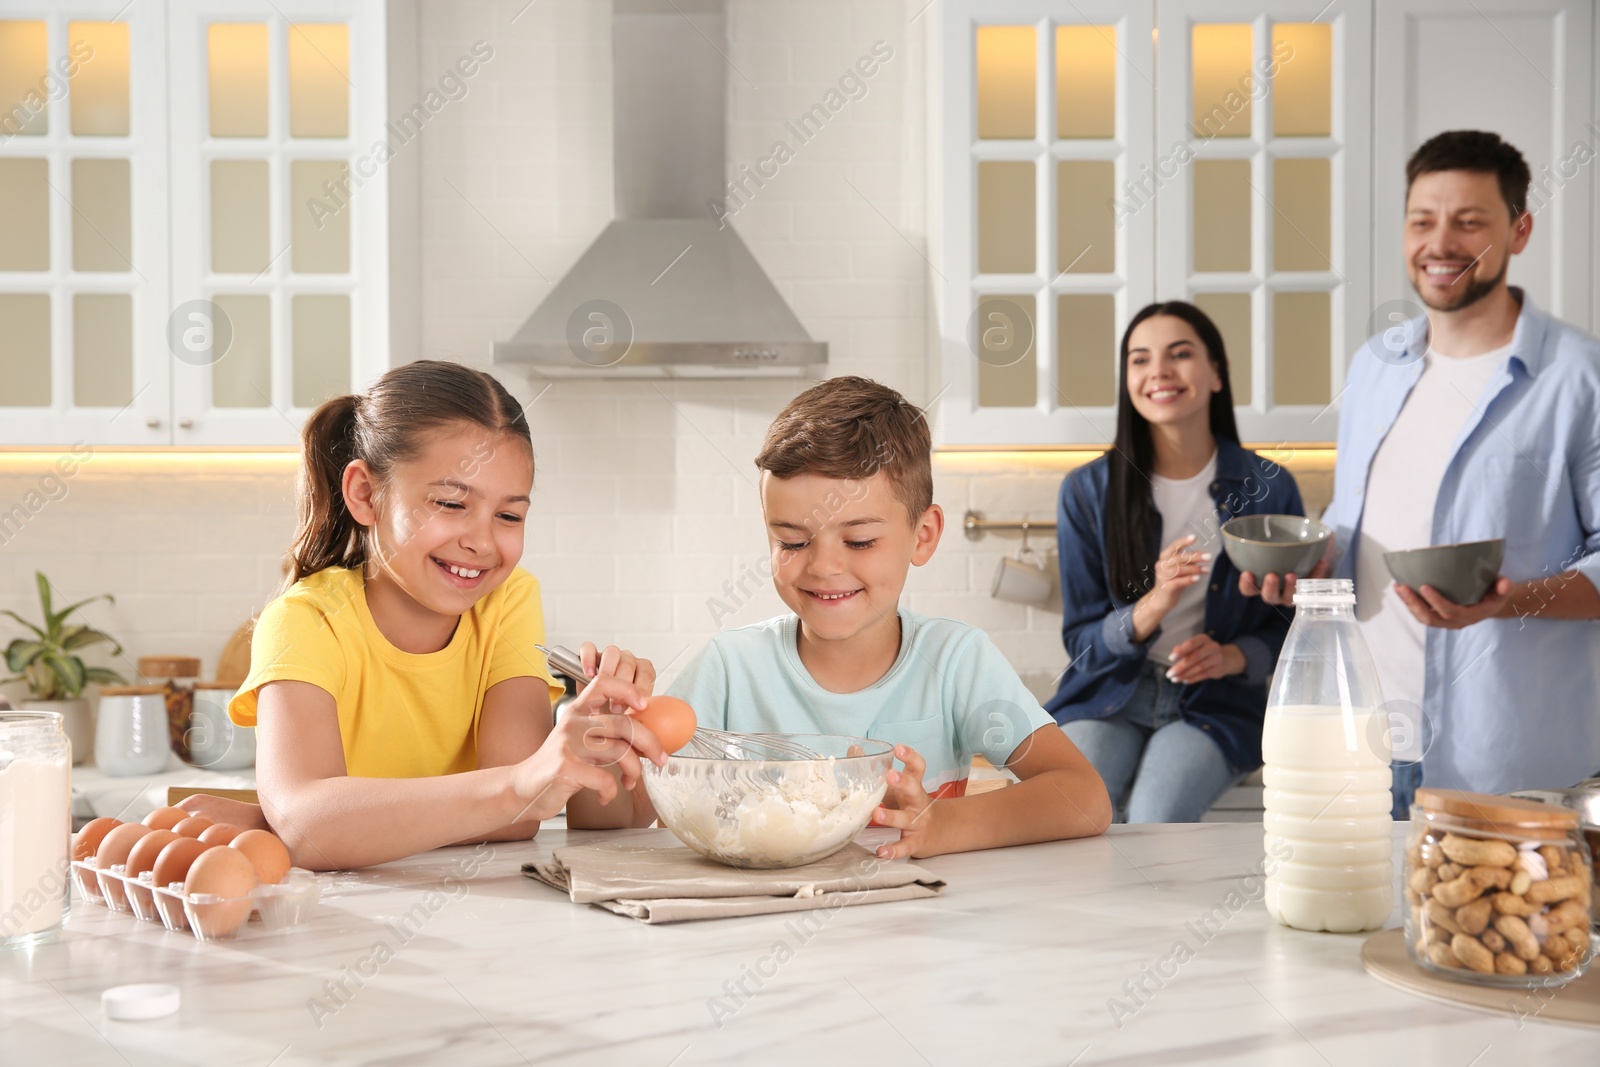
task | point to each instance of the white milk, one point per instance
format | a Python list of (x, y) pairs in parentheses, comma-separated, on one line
[(1327, 818), (35, 831)]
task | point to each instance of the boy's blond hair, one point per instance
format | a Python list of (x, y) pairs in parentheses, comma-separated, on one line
[(852, 428)]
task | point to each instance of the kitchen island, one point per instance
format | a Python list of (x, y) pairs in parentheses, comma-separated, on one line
[(1063, 953)]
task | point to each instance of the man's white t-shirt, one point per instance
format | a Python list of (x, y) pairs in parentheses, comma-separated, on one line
[(1186, 508), (1402, 487)]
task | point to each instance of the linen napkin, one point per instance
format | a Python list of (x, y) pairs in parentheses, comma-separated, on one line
[(657, 884)]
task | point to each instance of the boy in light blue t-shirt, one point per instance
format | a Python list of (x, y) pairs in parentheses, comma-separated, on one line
[(847, 492)]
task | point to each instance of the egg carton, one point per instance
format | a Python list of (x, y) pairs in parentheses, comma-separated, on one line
[(209, 917)]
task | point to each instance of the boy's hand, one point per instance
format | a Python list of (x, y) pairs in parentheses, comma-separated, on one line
[(907, 807)]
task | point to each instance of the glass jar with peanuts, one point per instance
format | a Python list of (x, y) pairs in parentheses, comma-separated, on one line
[(1497, 889)]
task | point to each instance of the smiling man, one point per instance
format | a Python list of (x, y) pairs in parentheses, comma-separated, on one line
[(1475, 421)]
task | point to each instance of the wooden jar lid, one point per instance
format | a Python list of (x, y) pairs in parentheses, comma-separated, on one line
[(169, 666), (228, 686), (131, 690), (1511, 816)]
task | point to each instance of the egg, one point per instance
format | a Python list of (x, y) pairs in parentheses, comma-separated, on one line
[(226, 874), (193, 826), (165, 818), (114, 849), (142, 857), (670, 719), (87, 841), (116, 845), (266, 853), (219, 833), (173, 864)]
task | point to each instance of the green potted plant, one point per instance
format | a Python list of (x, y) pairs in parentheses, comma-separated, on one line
[(54, 673)]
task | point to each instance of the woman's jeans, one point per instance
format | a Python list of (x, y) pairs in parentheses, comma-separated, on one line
[(1156, 767)]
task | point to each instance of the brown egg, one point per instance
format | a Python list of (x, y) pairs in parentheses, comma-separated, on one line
[(142, 857), (165, 818), (173, 864), (114, 848), (193, 826), (219, 833), (87, 841), (224, 873), (116, 845), (267, 854)]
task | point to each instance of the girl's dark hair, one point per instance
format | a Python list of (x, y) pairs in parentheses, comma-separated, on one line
[(1132, 523), (385, 426)]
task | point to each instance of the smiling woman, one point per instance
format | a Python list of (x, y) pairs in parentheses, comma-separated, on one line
[(399, 697)]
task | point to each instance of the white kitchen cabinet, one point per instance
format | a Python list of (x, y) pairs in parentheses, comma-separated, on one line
[(1264, 180), (208, 258)]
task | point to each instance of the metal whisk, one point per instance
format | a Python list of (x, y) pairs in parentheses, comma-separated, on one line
[(706, 743)]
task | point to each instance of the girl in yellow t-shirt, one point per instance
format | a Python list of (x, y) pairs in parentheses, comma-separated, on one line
[(398, 699)]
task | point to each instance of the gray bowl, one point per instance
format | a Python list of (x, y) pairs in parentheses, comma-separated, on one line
[(1463, 572), (1275, 544)]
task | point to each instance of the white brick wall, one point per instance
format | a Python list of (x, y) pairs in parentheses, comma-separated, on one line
[(646, 503)]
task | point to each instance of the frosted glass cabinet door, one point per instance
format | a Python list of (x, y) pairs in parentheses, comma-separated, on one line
[(83, 247), (276, 129)]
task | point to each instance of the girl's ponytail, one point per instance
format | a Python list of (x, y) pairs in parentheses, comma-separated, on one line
[(328, 535), (386, 426)]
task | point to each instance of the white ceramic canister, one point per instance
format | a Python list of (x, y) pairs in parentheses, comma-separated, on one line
[(35, 826), (214, 741), (131, 736)]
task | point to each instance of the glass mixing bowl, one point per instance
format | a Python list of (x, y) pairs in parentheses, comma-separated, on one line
[(780, 812)]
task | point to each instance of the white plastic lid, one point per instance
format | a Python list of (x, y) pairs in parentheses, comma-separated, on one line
[(1325, 591), (150, 1000)]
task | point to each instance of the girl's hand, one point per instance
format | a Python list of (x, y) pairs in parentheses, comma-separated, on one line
[(907, 807), (582, 747), (240, 813), (1200, 658), (620, 663)]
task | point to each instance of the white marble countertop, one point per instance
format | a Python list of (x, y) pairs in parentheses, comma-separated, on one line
[(1021, 960)]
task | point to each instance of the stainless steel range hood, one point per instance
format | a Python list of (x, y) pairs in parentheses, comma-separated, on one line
[(667, 289)]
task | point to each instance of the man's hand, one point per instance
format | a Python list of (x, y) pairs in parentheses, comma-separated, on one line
[(907, 807), (1201, 658), (1433, 608), (1279, 589)]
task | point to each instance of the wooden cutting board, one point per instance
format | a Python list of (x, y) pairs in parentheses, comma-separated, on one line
[(233, 666), (1385, 958)]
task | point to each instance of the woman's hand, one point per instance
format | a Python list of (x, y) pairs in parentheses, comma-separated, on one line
[(1200, 658), (1177, 568), (907, 807)]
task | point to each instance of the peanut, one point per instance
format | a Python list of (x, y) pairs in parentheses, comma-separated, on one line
[(1458, 891), (1520, 882), (1498, 877), (1438, 935), (1541, 965), (1555, 857), (1493, 941), (1568, 915), (1510, 904), (1413, 897), (1423, 879), (1554, 889), (1441, 956), (1470, 951), (1432, 855), (1473, 852), (1516, 932), (1555, 946), (1506, 963), (1436, 913), (1473, 917), (1449, 872)]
